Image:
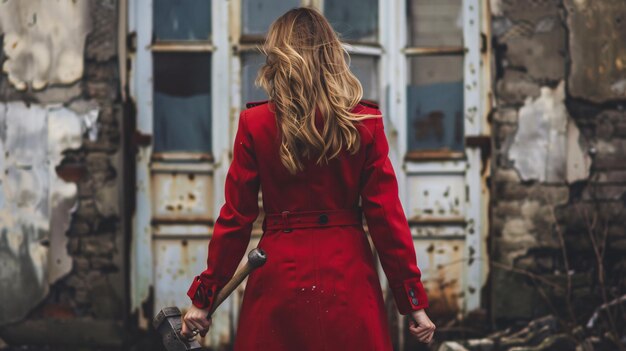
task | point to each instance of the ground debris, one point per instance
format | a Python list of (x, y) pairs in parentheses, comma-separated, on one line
[(550, 334)]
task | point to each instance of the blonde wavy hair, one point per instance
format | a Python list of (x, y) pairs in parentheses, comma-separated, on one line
[(306, 68)]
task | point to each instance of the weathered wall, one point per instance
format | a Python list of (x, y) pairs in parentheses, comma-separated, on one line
[(62, 178), (559, 177), (35, 203)]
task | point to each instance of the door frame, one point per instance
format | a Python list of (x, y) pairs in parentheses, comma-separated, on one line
[(392, 78)]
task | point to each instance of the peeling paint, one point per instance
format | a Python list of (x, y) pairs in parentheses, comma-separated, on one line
[(44, 41), (182, 195), (547, 145), (35, 204), (90, 125), (443, 266), (434, 198)]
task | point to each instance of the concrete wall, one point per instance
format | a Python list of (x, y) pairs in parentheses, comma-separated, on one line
[(559, 166), (63, 251)]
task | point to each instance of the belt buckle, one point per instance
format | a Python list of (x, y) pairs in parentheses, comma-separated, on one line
[(286, 222)]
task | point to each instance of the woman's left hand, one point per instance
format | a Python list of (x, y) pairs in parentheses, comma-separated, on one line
[(196, 319), (422, 327)]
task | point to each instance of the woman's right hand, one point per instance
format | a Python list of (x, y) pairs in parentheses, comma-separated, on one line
[(424, 329), (195, 319)]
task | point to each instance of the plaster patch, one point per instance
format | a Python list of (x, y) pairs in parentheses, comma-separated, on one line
[(548, 146), (44, 41), (35, 204)]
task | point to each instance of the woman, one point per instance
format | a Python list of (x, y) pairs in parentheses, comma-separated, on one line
[(321, 156)]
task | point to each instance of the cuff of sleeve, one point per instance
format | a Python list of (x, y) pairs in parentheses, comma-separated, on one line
[(410, 296), (202, 292)]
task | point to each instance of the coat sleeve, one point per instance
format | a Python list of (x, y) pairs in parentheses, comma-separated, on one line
[(388, 226), (233, 227)]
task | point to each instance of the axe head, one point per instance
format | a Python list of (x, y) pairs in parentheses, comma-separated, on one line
[(169, 324), (257, 257)]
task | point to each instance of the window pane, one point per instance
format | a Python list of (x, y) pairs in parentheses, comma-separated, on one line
[(366, 70), (257, 15), (364, 67), (435, 23), (182, 19), (182, 102), (251, 62), (435, 103), (355, 20)]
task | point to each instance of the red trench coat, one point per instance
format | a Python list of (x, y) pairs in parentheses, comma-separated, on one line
[(319, 289)]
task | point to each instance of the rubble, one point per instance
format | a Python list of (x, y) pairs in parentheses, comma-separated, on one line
[(550, 333)]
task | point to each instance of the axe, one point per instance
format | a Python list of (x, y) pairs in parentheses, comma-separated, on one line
[(168, 321)]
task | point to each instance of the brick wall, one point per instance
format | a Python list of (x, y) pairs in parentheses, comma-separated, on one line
[(559, 179), (91, 299)]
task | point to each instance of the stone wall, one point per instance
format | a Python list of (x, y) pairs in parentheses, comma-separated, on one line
[(559, 166), (89, 298)]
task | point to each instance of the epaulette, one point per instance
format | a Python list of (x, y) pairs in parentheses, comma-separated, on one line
[(369, 103), (256, 103)]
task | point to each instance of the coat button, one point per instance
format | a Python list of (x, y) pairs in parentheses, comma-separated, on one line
[(322, 219), (414, 300), (412, 292)]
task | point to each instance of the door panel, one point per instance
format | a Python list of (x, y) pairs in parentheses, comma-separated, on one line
[(251, 62), (181, 195), (442, 265), (257, 15), (193, 71), (365, 68), (182, 102), (356, 20), (435, 23), (444, 197), (435, 103), (182, 20), (437, 197)]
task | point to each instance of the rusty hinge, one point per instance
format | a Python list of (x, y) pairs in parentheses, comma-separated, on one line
[(131, 42), (141, 140), (483, 42), (484, 143), (479, 141)]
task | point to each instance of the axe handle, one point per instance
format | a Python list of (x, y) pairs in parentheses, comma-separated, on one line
[(232, 284)]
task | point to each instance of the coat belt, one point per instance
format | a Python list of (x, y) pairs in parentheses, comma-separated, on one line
[(289, 220)]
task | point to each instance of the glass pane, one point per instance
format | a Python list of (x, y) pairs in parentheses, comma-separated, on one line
[(182, 19), (366, 70), (354, 20), (435, 103), (257, 15), (182, 102), (251, 62), (364, 67), (435, 22)]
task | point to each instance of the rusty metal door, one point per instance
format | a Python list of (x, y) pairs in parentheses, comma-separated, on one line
[(193, 65), (442, 137), (179, 80)]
